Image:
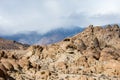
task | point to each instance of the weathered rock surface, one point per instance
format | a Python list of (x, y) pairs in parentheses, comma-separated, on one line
[(93, 54)]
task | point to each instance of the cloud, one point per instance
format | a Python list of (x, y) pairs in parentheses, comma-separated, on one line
[(44, 15)]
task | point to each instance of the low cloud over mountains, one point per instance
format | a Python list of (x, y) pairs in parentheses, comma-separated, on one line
[(45, 15)]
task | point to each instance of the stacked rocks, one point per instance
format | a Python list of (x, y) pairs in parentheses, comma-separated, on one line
[(93, 54)]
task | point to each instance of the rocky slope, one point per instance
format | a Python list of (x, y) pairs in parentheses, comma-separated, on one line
[(10, 45), (93, 54)]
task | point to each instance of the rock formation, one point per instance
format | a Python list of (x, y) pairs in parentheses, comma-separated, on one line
[(93, 54)]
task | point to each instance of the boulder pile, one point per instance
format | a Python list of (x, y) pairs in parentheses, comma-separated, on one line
[(93, 54)]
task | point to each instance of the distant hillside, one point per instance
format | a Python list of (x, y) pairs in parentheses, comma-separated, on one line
[(57, 35), (9, 44), (25, 38), (50, 37)]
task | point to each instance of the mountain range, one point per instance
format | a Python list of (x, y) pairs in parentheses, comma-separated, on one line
[(52, 36)]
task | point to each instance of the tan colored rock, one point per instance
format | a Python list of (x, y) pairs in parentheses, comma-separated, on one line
[(74, 78), (82, 61), (61, 66), (28, 54), (24, 63), (80, 44), (42, 75), (108, 54), (83, 78), (14, 64), (7, 64), (91, 78), (92, 53), (112, 68)]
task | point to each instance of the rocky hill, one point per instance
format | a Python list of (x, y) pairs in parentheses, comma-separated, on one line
[(11, 45), (93, 54)]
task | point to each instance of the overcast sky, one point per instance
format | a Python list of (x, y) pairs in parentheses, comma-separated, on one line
[(44, 15)]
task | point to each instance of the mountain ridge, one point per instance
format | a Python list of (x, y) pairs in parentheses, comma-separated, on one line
[(11, 45), (37, 38)]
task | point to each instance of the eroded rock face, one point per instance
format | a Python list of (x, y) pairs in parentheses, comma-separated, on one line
[(93, 54)]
